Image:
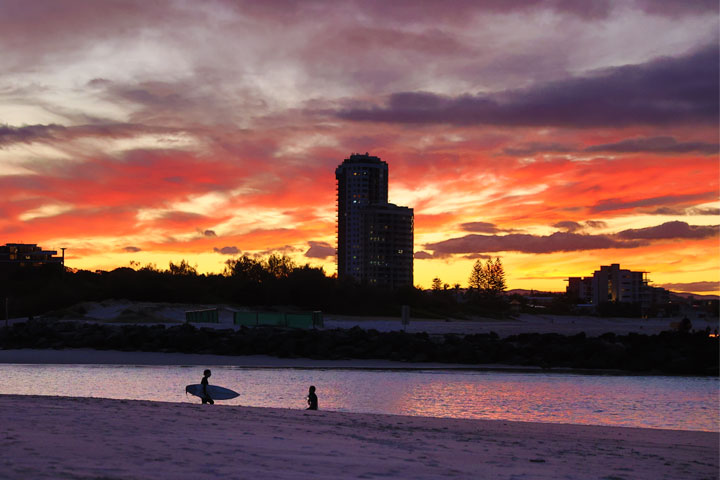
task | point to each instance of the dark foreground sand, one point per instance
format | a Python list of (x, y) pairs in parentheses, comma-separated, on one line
[(83, 438)]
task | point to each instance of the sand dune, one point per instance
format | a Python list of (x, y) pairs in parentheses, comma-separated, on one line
[(120, 311), (57, 437)]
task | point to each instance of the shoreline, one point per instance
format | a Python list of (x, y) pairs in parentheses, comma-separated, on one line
[(70, 437), (84, 356), (684, 354)]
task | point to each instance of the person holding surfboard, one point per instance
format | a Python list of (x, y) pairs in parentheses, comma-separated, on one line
[(210, 393), (204, 382)]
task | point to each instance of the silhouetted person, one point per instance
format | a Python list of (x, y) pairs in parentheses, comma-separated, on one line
[(312, 399), (204, 382), (685, 325)]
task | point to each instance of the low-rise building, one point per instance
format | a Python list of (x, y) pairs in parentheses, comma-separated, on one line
[(16, 256), (613, 284)]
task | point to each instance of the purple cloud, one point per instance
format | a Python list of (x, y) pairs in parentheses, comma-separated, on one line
[(661, 145), (473, 245), (132, 249), (572, 227), (320, 250), (480, 227), (670, 230), (525, 243), (227, 250), (617, 204), (656, 145), (693, 211), (53, 132), (664, 91), (26, 133)]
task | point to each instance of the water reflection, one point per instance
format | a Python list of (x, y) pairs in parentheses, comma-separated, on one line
[(656, 402)]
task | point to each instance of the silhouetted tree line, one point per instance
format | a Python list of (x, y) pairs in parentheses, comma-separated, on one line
[(274, 280), (667, 352)]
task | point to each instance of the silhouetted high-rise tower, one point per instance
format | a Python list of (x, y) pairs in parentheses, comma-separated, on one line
[(375, 238)]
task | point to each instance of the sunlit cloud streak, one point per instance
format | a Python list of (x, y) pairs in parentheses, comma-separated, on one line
[(692, 286), (618, 204)]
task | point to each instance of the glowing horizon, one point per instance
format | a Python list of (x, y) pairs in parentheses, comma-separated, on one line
[(557, 137)]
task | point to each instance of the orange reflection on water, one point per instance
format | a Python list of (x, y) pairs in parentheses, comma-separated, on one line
[(576, 399), (686, 403)]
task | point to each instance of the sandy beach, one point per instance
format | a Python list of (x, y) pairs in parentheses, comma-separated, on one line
[(47, 437), (81, 438)]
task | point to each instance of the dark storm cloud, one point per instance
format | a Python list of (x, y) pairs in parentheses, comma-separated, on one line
[(670, 230), (422, 255), (227, 250), (655, 145), (663, 91), (320, 250)]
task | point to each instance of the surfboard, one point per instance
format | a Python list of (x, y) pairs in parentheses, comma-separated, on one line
[(216, 393)]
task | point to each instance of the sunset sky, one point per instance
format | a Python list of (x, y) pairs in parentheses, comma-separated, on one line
[(558, 135)]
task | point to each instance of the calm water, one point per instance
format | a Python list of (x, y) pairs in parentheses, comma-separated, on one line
[(687, 403)]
